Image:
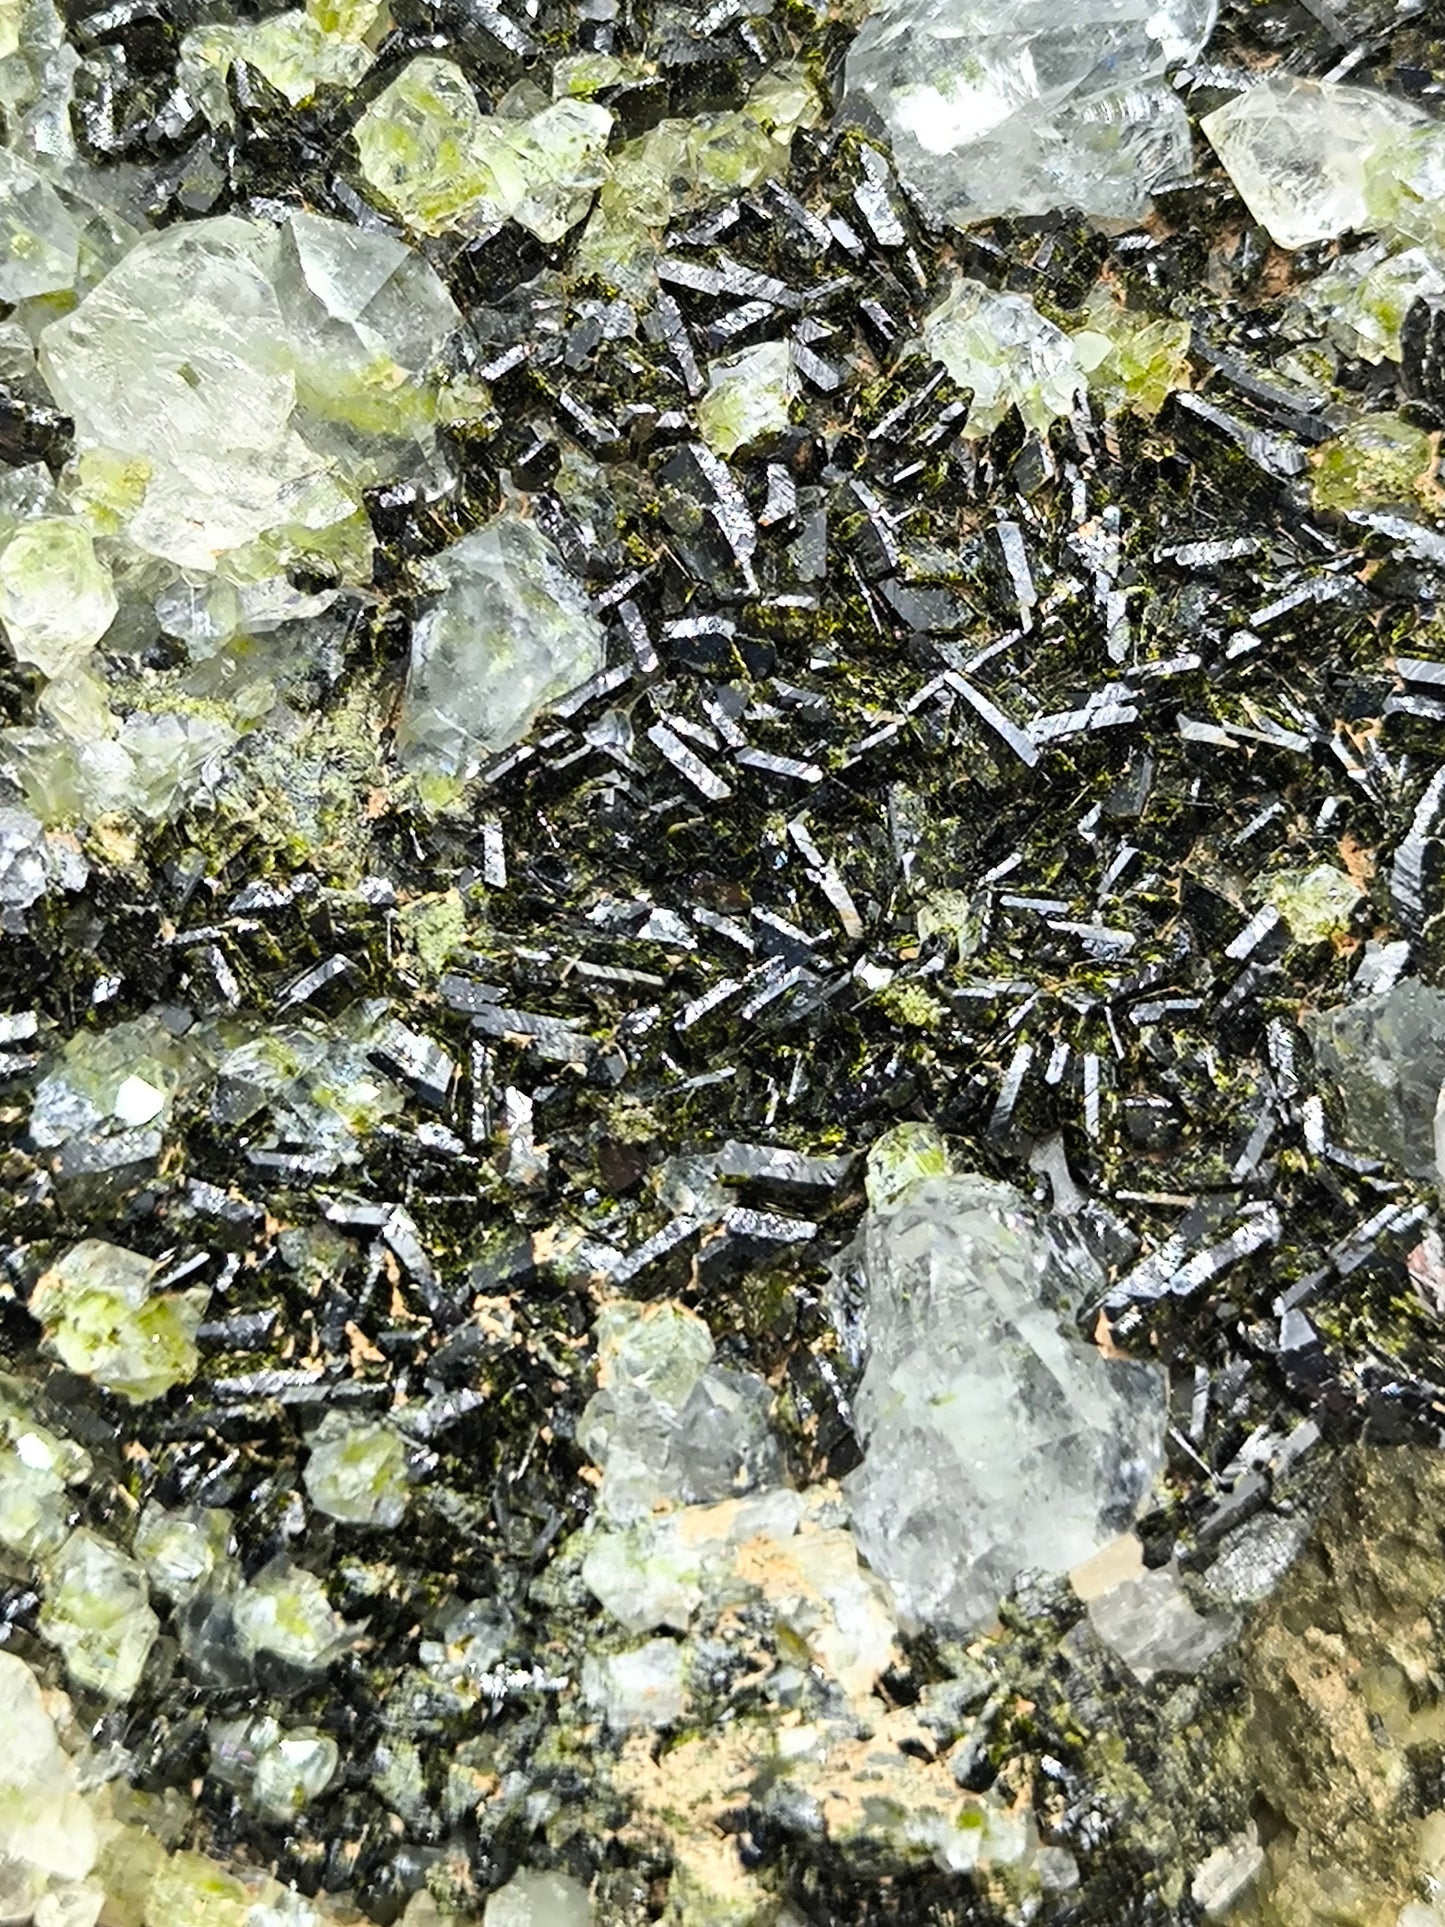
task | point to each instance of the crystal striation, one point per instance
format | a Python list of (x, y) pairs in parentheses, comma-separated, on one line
[(995, 1441), (1022, 106), (1386, 1056)]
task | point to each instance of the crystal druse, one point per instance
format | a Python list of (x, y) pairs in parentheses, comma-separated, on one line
[(722, 1068)]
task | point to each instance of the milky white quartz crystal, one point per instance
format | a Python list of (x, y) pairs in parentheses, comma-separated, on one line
[(996, 1440), (1021, 106)]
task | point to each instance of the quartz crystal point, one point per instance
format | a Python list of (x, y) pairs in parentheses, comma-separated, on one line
[(510, 631), (995, 1440), (1022, 106), (1300, 153)]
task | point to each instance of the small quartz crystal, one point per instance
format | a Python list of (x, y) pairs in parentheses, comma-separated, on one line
[(538, 1900), (104, 1320), (510, 631), (56, 597), (1001, 347), (97, 1612), (429, 151), (1386, 1056), (356, 1470), (285, 1611), (749, 396)]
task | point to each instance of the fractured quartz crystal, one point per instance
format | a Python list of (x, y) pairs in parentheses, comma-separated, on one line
[(995, 1440), (1022, 106), (510, 631), (1386, 1057), (1299, 152)]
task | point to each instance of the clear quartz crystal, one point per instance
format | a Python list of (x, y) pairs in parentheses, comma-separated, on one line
[(510, 631), (97, 1612), (1022, 106), (356, 1470), (995, 1439), (1300, 152), (103, 1320)]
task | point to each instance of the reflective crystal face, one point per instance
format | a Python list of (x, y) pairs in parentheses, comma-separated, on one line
[(1021, 106)]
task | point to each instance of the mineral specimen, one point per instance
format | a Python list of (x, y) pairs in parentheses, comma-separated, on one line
[(510, 631), (994, 1440), (284, 1769), (284, 1610), (1018, 107), (104, 1317), (1299, 152)]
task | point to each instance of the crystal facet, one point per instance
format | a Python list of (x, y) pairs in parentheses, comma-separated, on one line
[(1299, 151), (510, 631), (994, 1440), (1021, 106)]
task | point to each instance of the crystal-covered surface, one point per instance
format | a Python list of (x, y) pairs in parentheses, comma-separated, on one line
[(995, 1440), (1021, 106)]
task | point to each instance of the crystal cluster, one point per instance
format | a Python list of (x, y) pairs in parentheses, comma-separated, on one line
[(995, 1440), (430, 152), (1021, 106), (225, 379)]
